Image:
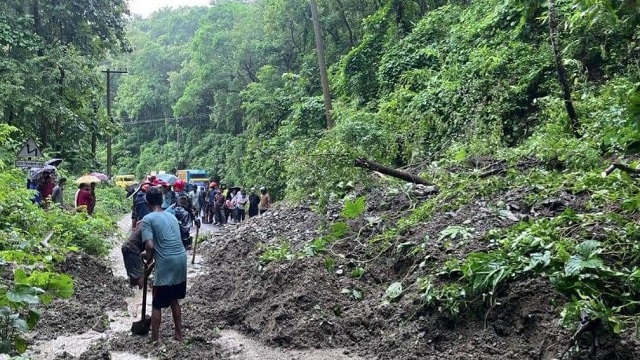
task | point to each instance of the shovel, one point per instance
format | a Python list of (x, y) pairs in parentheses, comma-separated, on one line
[(142, 327), (195, 245)]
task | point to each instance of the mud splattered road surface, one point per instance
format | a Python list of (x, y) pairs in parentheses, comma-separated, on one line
[(95, 323)]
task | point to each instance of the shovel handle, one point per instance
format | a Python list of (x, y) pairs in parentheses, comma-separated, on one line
[(195, 245), (144, 295)]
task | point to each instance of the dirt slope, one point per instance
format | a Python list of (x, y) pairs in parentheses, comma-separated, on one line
[(301, 304)]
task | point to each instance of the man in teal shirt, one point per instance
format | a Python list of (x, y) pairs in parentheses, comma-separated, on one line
[(161, 235)]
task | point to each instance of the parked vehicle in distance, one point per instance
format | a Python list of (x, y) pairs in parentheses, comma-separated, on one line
[(124, 180), (193, 175)]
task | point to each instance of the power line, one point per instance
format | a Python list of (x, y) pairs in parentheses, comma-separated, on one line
[(165, 119)]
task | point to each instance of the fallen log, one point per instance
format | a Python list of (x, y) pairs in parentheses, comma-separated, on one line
[(628, 169), (491, 172), (398, 174)]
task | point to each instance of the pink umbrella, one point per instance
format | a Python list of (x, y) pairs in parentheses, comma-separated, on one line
[(100, 176)]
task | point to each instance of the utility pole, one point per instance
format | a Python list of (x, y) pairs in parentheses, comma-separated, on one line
[(324, 80), (109, 158)]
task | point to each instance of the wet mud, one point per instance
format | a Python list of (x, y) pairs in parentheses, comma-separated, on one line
[(313, 307)]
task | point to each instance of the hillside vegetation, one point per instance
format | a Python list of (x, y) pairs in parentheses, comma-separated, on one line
[(234, 89)]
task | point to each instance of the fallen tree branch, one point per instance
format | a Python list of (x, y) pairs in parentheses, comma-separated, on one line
[(45, 241), (491, 172), (621, 167), (398, 174)]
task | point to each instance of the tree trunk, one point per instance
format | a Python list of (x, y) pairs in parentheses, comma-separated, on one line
[(562, 72), (402, 175), (94, 140), (37, 31), (324, 79), (59, 116), (343, 16)]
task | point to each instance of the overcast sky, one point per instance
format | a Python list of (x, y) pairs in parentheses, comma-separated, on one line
[(146, 7)]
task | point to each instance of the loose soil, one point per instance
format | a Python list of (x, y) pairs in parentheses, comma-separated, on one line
[(309, 308), (97, 291), (302, 304)]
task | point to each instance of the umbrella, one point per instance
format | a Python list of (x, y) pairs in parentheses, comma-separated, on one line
[(171, 179), (100, 176), (54, 162), (39, 173), (87, 179)]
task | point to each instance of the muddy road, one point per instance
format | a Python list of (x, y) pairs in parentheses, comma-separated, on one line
[(95, 323)]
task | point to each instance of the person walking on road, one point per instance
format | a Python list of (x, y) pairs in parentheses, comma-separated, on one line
[(241, 202), (163, 245), (265, 200), (218, 208)]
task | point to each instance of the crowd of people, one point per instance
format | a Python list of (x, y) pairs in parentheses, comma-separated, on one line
[(50, 190), (162, 217), (220, 205)]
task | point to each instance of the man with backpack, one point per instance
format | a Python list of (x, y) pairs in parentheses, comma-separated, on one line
[(183, 212)]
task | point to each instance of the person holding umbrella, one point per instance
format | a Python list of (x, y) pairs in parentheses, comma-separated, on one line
[(84, 198)]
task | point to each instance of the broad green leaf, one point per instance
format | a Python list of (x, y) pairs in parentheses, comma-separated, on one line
[(576, 265), (33, 317), (588, 248), (23, 294), (394, 291), (20, 324), (19, 276), (20, 344), (338, 230)]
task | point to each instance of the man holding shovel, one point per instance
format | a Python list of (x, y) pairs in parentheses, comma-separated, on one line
[(161, 235)]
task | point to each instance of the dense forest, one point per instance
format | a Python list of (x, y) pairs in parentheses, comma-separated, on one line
[(234, 88), (50, 84)]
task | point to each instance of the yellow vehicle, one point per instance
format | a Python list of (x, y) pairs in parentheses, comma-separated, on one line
[(124, 180)]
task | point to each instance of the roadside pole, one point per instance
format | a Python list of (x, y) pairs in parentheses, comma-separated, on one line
[(109, 140)]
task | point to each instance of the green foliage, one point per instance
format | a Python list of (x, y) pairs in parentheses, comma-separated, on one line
[(49, 53), (358, 273), (394, 291), (355, 294), (353, 208), (561, 249), (33, 240), (19, 310), (275, 253)]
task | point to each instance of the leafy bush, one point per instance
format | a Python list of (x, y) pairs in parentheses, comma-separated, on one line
[(32, 240)]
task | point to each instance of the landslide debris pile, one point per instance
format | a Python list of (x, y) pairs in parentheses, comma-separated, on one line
[(294, 278), (96, 291)]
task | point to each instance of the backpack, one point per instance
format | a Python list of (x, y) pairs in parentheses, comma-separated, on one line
[(184, 219)]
